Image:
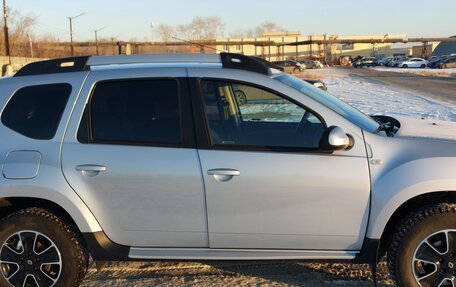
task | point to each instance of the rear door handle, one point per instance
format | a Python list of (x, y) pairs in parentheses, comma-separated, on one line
[(223, 174), (91, 169)]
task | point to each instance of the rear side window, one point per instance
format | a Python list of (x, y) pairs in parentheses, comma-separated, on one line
[(136, 112), (35, 111)]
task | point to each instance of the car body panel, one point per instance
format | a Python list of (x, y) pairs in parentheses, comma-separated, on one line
[(148, 196), (274, 201), (404, 167), (48, 183)]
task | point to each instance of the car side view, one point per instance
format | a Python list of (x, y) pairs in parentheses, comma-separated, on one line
[(151, 157)]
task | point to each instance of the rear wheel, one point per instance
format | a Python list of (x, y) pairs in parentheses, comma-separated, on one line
[(296, 70), (404, 66), (40, 249), (423, 252), (423, 66)]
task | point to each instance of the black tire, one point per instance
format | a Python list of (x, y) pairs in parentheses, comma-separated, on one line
[(423, 66), (428, 224), (56, 238), (404, 66), (240, 97), (296, 70)]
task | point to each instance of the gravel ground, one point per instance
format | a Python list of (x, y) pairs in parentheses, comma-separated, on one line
[(234, 274)]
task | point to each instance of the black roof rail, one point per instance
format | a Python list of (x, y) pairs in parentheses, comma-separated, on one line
[(54, 66), (79, 64), (242, 62)]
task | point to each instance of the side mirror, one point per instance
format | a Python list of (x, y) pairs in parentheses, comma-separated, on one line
[(334, 138)]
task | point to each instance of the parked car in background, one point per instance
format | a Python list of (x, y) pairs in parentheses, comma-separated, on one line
[(448, 63), (309, 64), (365, 62), (384, 61), (434, 63), (291, 66), (399, 62), (393, 61), (317, 83), (319, 65), (414, 63)]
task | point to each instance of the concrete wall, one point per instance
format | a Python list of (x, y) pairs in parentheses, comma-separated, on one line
[(17, 62)]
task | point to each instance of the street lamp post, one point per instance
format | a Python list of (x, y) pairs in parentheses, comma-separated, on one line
[(96, 38), (5, 28), (71, 30)]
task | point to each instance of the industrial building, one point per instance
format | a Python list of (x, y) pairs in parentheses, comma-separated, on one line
[(317, 51)]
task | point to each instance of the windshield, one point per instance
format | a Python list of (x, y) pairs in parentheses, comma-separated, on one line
[(350, 113)]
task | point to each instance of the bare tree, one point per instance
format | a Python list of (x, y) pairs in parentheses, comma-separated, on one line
[(267, 27), (19, 32), (201, 28), (166, 32)]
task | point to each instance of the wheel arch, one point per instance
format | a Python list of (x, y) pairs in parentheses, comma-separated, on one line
[(406, 208), (83, 221)]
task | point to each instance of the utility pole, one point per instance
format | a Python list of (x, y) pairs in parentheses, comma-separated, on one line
[(71, 30), (96, 38), (5, 27)]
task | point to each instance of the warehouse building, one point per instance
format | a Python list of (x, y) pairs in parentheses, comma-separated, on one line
[(445, 48)]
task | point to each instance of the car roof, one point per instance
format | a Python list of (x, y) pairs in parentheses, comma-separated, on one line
[(86, 63)]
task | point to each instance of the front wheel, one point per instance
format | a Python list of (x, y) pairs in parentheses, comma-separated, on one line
[(39, 249), (423, 66), (404, 66), (423, 251)]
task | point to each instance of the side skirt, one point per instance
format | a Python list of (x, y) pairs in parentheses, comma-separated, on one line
[(103, 249)]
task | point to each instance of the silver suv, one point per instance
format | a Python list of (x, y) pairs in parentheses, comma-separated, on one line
[(148, 157)]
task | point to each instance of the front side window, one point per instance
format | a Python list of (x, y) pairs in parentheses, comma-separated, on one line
[(35, 111), (136, 112), (247, 116)]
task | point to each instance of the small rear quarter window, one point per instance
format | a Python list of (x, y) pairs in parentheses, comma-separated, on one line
[(35, 111)]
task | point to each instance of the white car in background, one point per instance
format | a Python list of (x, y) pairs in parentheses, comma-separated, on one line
[(414, 63)]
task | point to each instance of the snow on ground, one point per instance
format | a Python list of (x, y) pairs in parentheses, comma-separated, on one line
[(375, 97), (450, 72)]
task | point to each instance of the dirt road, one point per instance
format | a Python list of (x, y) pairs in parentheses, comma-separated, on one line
[(244, 274)]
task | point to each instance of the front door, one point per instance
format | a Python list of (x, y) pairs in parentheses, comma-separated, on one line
[(267, 184), (132, 159)]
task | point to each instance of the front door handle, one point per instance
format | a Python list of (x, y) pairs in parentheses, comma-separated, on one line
[(223, 174), (90, 169)]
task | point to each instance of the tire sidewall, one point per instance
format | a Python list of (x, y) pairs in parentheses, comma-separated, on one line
[(411, 241), (48, 228)]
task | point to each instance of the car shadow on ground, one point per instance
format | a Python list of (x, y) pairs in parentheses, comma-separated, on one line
[(250, 273)]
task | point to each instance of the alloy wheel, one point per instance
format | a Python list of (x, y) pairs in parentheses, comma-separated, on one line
[(434, 260), (30, 259)]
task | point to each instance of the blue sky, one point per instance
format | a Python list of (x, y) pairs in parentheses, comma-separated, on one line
[(128, 19)]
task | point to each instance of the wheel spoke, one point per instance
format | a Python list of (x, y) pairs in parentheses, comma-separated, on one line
[(10, 255), (17, 279), (30, 281), (432, 280), (46, 280), (28, 241), (451, 241), (427, 253), (51, 255)]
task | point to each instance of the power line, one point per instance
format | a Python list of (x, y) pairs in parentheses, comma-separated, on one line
[(197, 44)]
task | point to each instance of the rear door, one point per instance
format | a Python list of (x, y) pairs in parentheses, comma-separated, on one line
[(129, 153)]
